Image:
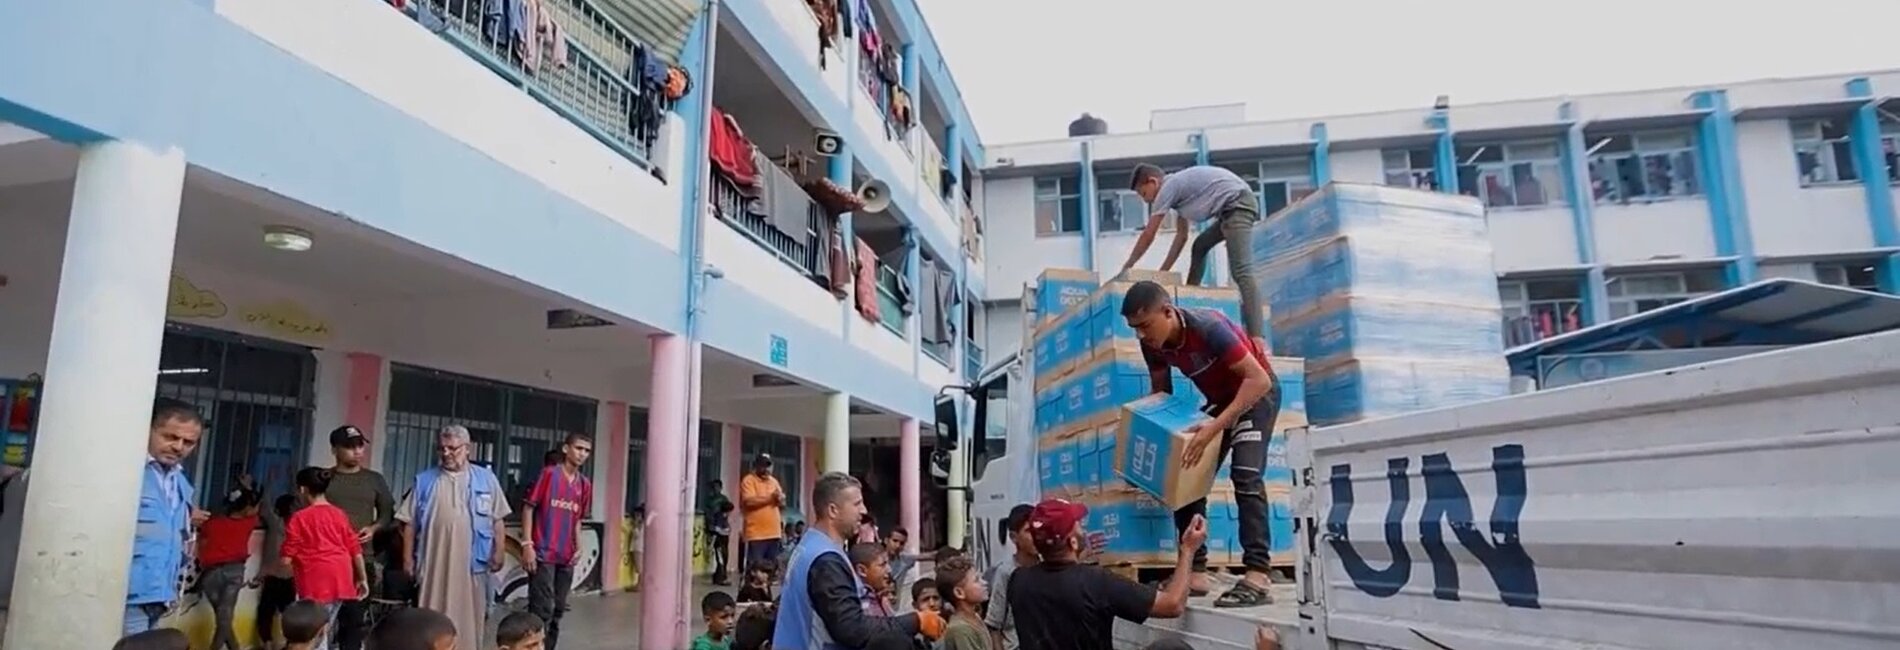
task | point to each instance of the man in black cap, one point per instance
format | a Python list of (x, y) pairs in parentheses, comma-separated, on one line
[(761, 504), (363, 495)]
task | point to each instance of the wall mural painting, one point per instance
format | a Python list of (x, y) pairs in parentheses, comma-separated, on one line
[(192, 613)]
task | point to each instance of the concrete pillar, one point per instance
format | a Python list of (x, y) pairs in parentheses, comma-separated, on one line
[(837, 432), (611, 454), (731, 469), (101, 373), (910, 493), (668, 452)]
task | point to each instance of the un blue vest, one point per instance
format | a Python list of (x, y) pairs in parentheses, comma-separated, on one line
[(798, 626), (482, 493), (158, 540)]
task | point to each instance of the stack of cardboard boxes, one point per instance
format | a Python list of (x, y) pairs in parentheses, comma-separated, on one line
[(1389, 295), (1105, 442)]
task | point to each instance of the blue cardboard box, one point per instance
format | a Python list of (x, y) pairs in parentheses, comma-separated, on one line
[(1346, 208), (1446, 272), (1150, 447), (1057, 290)]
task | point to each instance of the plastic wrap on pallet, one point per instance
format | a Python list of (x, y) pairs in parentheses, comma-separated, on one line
[(1452, 272), (1350, 208), (1344, 327), (1375, 387)]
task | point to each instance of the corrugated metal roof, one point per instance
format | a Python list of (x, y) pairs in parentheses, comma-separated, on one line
[(659, 24), (1777, 311)]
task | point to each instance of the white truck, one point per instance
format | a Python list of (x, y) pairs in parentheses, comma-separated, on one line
[(1749, 503)]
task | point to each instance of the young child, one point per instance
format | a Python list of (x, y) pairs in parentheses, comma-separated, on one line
[(224, 545), (924, 598), (719, 609), (635, 542), (758, 582), (874, 570), (961, 587), (305, 623), (322, 550), (521, 631), (413, 628), (164, 638), (755, 627), (275, 590)]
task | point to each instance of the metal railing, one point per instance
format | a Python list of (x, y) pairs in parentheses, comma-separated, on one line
[(938, 351), (591, 87), (972, 360), (753, 218)]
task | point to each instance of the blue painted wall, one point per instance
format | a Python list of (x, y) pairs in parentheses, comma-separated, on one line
[(1575, 154), (1444, 156), (1322, 155), (243, 108)]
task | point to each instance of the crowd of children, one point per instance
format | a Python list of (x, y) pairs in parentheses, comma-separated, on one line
[(306, 624)]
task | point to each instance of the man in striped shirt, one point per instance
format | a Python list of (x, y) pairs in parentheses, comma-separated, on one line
[(552, 525)]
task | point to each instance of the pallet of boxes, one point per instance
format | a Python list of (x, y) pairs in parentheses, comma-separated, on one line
[(1105, 442), (1389, 295)]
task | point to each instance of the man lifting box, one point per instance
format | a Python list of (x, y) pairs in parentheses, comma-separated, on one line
[(1231, 370)]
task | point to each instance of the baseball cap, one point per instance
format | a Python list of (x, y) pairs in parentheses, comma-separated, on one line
[(1053, 521), (347, 436)]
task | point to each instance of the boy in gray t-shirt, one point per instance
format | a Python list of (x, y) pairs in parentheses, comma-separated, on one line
[(1198, 194)]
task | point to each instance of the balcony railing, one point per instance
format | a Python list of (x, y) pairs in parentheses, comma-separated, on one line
[(585, 80), (785, 221), (972, 360)]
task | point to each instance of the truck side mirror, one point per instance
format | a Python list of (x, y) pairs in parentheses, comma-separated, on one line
[(947, 423)]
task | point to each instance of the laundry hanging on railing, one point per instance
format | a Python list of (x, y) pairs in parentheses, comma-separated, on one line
[(731, 153), (657, 85), (866, 274), (828, 26), (898, 260), (782, 202), (941, 297)]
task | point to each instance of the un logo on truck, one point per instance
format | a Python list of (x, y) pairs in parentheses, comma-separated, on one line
[(1446, 505)]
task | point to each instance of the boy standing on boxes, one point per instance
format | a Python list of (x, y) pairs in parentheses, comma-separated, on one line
[(1200, 194), (1243, 398)]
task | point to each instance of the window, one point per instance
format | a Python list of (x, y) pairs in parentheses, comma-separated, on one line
[(1120, 209), (1538, 309), (1643, 167), (1853, 275), (1512, 175), (1058, 205), (1410, 168), (1278, 182), (1637, 293), (1824, 152)]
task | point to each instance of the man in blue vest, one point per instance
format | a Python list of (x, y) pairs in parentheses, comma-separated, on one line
[(820, 607), (452, 535), (166, 516)]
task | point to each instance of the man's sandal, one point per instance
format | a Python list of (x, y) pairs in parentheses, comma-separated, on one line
[(1244, 594)]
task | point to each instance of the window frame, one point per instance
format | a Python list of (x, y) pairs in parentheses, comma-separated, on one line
[(1061, 199), (1288, 187), (1846, 278), (1416, 177), (1637, 150), (1546, 173), (1623, 304), (1522, 307)]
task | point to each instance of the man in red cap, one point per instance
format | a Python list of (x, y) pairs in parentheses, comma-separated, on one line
[(1063, 604)]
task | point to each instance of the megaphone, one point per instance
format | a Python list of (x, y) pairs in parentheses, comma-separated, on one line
[(875, 195)]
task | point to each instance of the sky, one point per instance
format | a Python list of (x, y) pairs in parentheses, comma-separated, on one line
[(1028, 67)]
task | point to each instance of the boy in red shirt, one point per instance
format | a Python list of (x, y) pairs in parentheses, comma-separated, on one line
[(561, 498), (323, 551), (224, 545), (1243, 398)]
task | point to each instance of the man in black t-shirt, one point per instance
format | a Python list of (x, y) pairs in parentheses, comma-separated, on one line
[(1060, 604)]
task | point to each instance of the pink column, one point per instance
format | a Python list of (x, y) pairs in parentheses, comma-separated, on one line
[(665, 552), (910, 498), (810, 450), (364, 393), (731, 469), (614, 448)]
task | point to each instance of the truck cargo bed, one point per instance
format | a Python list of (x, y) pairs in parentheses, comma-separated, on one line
[(1207, 627)]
